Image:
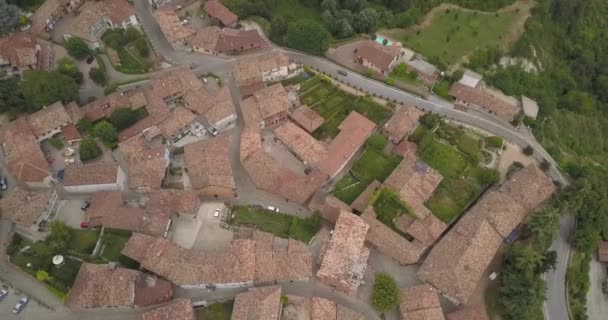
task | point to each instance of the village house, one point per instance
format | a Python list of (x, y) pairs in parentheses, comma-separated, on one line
[(208, 167), (21, 52), (427, 72), (176, 125), (104, 106), (177, 34), (28, 208), (216, 108), (49, 13), (457, 263), (471, 92), (95, 17), (344, 257), (354, 131), (220, 14), (401, 123), (306, 118), (180, 309), (25, 160), (308, 149), (146, 163), (377, 57), (267, 106), (420, 302), (213, 40), (251, 73), (105, 286), (468, 313), (263, 303), (323, 309), (49, 121), (93, 177)]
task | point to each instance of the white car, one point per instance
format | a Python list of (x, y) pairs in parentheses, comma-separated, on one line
[(216, 213), (3, 294), (21, 304), (271, 208)]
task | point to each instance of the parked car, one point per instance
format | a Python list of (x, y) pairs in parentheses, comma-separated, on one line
[(271, 208), (342, 73), (3, 183), (84, 224), (3, 294), (90, 59), (21, 304), (85, 205), (216, 213)]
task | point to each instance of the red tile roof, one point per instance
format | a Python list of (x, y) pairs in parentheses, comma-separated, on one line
[(420, 303), (354, 131), (24, 207), (307, 118), (487, 99), (377, 54), (401, 123), (25, 159), (146, 165), (208, 163), (217, 10), (258, 304), (20, 50), (468, 313), (70, 132), (90, 174), (181, 309), (103, 286)]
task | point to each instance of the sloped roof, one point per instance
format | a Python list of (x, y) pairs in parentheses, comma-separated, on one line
[(208, 163), (171, 26), (146, 165), (307, 118), (402, 122), (258, 304), (181, 309), (24, 207), (25, 159), (420, 303), (377, 54), (468, 313), (19, 49), (90, 174), (217, 10), (301, 143), (102, 286)]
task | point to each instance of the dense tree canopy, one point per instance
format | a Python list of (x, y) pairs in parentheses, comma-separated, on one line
[(77, 48), (385, 293), (308, 36), (41, 88), (105, 131), (9, 16), (89, 149)]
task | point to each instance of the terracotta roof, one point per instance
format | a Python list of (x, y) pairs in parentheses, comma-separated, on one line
[(173, 125), (390, 243), (44, 12), (168, 202), (323, 309), (470, 245), (25, 159), (468, 313), (346, 256), (103, 286), (151, 290), (307, 118), (354, 131), (250, 143), (155, 105), (305, 146), (48, 118), (103, 107), (602, 251), (362, 201), (406, 149), (181, 309), (272, 100), (175, 82), (146, 165), (402, 122), (213, 106), (377, 54), (117, 10), (279, 259), (90, 174), (425, 231), (491, 100), (208, 163), (102, 204), (19, 50), (81, 26), (248, 70), (228, 40), (258, 304), (217, 10), (74, 111), (24, 207), (108, 209), (137, 128), (420, 303), (171, 26), (414, 181), (70, 132)]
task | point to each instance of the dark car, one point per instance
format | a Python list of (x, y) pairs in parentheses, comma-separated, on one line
[(342, 73), (85, 205), (3, 183), (90, 59), (20, 305)]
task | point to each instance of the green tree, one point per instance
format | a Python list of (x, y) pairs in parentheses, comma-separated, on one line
[(42, 276), (114, 39), (106, 132), (41, 88), (308, 36), (132, 34), (69, 68), (488, 176), (142, 47), (9, 16), (85, 125), (98, 75), (11, 96), (430, 120), (278, 30), (366, 21), (56, 143), (123, 118), (385, 293), (543, 226), (89, 149), (77, 48)]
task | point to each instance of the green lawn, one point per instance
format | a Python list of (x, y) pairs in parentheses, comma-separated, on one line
[(372, 165), (457, 33), (216, 311), (401, 73), (281, 225), (445, 159), (465, 140), (114, 241), (83, 241), (335, 105), (388, 207)]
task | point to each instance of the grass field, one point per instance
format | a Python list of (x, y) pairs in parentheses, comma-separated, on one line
[(372, 165), (114, 242), (388, 207), (281, 225), (83, 241), (216, 311), (457, 33), (443, 158), (335, 105)]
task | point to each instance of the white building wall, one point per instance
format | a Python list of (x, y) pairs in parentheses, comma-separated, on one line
[(245, 284), (130, 21), (224, 123), (89, 188)]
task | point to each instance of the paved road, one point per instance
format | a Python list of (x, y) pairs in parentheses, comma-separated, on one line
[(555, 305)]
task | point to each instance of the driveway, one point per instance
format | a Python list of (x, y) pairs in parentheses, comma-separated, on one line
[(69, 212), (597, 301), (210, 235), (6, 306)]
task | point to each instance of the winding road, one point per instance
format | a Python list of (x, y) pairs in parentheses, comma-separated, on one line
[(555, 307)]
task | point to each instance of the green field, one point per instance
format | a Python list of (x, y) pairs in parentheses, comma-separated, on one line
[(335, 105), (281, 225), (457, 33), (388, 207), (373, 164), (216, 311), (442, 157)]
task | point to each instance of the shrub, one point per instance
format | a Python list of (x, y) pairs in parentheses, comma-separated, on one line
[(56, 143), (142, 47), (77, 48), (385, 294), (123, 118), (106, 132), (494, 142), (89, 149), (98, 76), (85, 125), (528, 151), (430, 120)]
